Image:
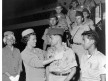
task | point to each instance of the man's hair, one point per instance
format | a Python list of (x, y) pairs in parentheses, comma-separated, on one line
[(76, 1), (26, 38), (53, 15), (92, 35), (79, 13)]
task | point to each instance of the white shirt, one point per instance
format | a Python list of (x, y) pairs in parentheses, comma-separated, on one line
[(93, 66)]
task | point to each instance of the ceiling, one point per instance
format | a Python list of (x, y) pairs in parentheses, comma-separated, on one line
[(15, 7)]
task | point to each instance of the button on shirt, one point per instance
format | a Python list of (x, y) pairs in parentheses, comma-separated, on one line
[(93, 66), (33, 62), (11, 61), (66, 63)]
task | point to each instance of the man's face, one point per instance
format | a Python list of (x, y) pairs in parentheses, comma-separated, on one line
[(58, 9), (32, 41), (53, 21), (54, 40), (87, 43), (79, 19), (9, 40), (85, 14), (74, 4)]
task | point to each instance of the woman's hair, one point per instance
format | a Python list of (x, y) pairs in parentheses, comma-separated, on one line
[(26, 38)]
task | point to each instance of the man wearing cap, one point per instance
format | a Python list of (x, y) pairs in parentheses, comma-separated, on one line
[(93, 62), (33, 57), (78, 29), (64, 68), (62, 21), (45, 37), (11, 59), (87, 20), (74, 6)]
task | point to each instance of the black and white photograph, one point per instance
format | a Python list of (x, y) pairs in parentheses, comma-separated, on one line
[(53, 40)]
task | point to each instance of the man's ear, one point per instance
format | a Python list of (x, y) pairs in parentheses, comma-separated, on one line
[(93, 41)]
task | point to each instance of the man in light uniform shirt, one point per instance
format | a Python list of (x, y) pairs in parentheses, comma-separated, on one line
[(64, 68), (93, 65), (77, 30)]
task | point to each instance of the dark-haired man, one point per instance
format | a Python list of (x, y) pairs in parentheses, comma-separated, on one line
[(93, 66)]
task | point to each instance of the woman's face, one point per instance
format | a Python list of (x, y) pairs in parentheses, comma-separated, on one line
[(9, 40), (32, 40)]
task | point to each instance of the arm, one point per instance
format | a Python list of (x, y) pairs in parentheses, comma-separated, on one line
[(72, 73), (102, 67), (44, 45), (91, 25), (48, 61), (19, 62)]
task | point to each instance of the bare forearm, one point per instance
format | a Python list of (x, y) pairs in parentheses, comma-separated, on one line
[(48, 61), (72, 73)]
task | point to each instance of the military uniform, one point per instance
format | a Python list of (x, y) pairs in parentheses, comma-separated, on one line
[(60, 69), (11, 62), (71, 14), (77, 39), (92, 66), (32, 60)]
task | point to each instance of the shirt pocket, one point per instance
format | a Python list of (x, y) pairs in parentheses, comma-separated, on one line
[(94, 65)]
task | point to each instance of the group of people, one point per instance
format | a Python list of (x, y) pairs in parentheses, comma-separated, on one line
[(57, 60)]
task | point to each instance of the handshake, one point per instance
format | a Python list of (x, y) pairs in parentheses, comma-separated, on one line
[(16, 78)]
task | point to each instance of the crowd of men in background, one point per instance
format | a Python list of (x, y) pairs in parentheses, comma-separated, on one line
[(69, 50)]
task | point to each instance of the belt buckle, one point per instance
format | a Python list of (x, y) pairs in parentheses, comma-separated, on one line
[(61, 74)]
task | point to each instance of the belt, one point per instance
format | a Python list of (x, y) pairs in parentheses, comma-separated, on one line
[(39, 67), (77, 43), (59, 74)]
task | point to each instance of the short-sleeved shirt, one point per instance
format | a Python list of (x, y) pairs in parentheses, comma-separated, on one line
[(11, 62), (89, 23), (66, 63), (62, 21), (33, 62), (93, 66), (77, 32)]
